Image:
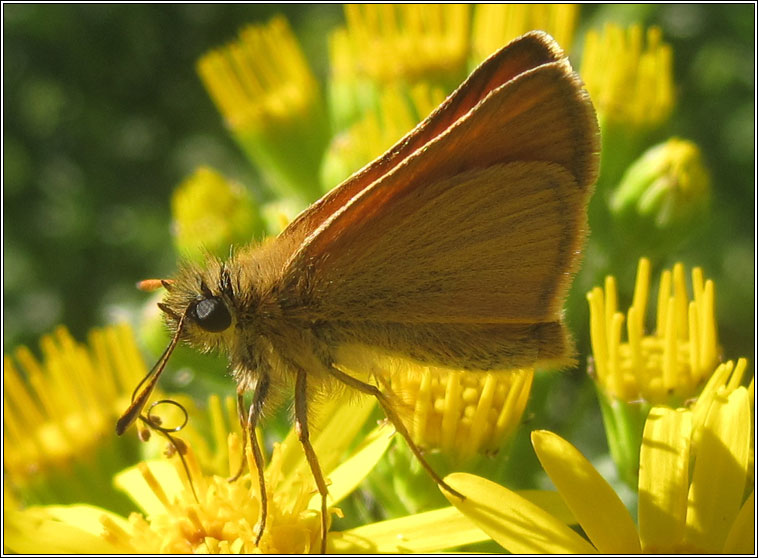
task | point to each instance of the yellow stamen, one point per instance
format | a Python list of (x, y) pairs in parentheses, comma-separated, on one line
[(670, 363), (260, 77), (629, 83), (462, 413), (59, 410), (497, 24), (390, 43), (270, 99)]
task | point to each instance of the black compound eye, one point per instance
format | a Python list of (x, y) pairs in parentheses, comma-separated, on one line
[(211, 314)]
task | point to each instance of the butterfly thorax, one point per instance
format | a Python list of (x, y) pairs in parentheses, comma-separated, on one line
[(259, 330)]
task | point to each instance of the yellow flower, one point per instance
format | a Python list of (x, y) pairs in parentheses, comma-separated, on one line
[(495, 25), (390, 43), (225, 517), (263, 87), (630, 79), (704, 515), (463, 413), (724, 380), (690, 502), (727, 378), (629, 75), (668, 365), (59, 414), (458, 412), (396, 47), (400, 46), (212, 515)]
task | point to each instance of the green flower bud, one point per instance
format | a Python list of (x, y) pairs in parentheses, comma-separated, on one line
[(665, 190), (279, 213), (211, 213)]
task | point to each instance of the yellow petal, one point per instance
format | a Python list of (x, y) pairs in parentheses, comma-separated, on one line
[(664, 477), (58, 530), (151, 497), (345, 478), (741, 538), (551, 502), (423, 532), (512, 521), (593, 502), (718, 479)]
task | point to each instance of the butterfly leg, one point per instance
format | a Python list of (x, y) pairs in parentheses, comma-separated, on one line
[(248, 424), (243, 426), (301, 426), (396, 422)]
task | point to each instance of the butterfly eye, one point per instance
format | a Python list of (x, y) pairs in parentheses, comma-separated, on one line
[(211, 314)]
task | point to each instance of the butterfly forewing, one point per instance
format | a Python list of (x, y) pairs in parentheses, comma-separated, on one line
[(481, 226), (527, 52)]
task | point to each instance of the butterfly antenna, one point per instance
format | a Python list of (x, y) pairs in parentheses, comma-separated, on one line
[(142, 394)]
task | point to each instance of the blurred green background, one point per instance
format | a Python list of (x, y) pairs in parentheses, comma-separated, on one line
[(104, 115)]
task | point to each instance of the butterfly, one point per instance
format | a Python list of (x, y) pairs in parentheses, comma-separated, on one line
[(455, 248)]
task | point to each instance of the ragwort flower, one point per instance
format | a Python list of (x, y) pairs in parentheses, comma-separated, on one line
[(693, 498), (59, 413), (209, 514), (667, 366)]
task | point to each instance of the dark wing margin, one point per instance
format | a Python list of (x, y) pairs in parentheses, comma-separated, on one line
[(524, 53)]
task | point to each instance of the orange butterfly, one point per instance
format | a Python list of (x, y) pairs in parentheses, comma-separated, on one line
[(455, 248)]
